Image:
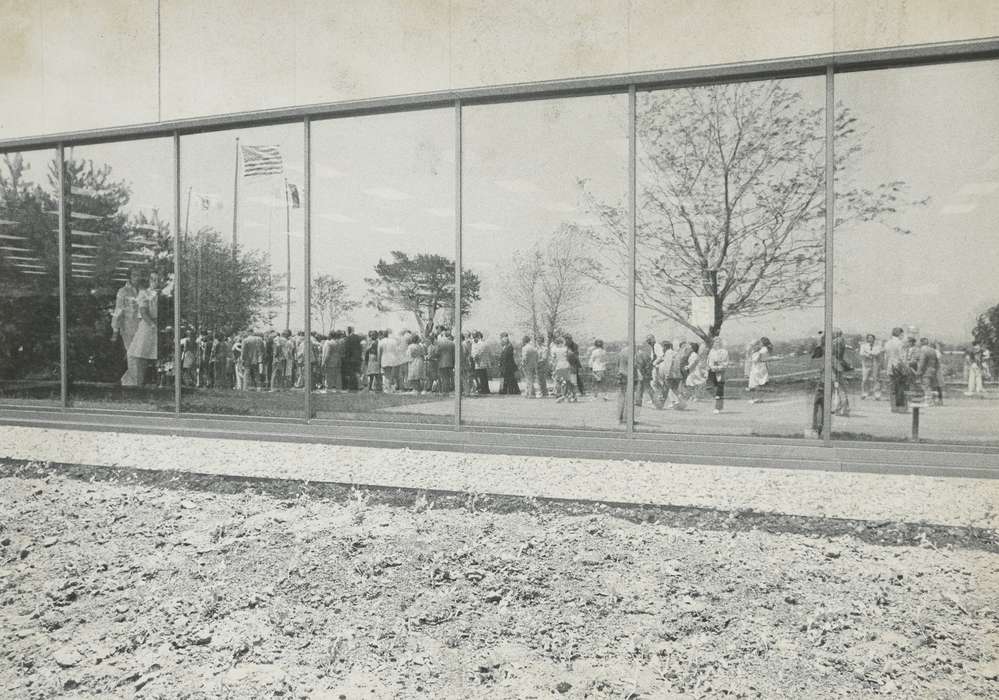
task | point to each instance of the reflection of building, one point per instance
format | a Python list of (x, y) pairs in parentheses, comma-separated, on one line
[(385, 173)]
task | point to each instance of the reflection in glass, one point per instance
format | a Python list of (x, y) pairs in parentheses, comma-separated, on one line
[(120, 287), (243, 348), (29, 278), (383, 279), (543, 185), (916, 290), (729, 256)]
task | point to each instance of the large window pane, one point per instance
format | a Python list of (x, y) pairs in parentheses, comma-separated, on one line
[(730, 257), (243, 346), (383, 266), (29, 278), (544, 240), (121, 277), (916, 289)]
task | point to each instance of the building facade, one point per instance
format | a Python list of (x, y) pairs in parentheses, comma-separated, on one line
[(757, 233)]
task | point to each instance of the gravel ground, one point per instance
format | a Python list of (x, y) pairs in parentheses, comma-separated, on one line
[(874, 497), (113, 589)]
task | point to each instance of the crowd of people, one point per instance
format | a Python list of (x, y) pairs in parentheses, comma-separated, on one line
[(906, 365)]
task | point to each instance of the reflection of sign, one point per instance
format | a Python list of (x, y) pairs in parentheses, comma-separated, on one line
[(702, 311)]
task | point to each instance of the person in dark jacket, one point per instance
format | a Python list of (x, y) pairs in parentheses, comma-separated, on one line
[(350, 366), (575, 361), (508, 366)]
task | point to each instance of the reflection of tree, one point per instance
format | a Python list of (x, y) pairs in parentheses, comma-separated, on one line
[(986, 331), (548, 285), (330, 301), (29, 301), (102, 242), (234, 292), (422, 285), (731, 202)]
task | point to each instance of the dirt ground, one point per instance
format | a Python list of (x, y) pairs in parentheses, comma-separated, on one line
[(120, 583)]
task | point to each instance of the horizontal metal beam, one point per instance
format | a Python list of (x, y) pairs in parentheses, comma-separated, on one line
[(977, 49)]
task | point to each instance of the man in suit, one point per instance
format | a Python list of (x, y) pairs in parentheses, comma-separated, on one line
[(445, 361), (253, 360), (350, 367)]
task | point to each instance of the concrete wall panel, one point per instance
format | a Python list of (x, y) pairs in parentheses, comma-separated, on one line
[(526, 40), (348, 50), (872, 24), (227, 56)]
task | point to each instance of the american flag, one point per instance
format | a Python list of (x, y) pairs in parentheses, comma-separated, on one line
[(262, 160)]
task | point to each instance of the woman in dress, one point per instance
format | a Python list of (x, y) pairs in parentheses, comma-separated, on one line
[(696, 372), (144, 342), (415, 353), (759, 373), (372, 365)]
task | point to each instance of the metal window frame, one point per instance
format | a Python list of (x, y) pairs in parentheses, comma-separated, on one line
[(827, 65)]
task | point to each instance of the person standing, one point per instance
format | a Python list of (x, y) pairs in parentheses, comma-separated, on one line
[(125, 322), (483, 359), (973, 370), (253, 361), (717, 364), (415, 352), (188, 359), (444, 345), (350, 368), (696, 373), (897, 372), (871, 358), (143, 347), (387, 360), (643, 374), (577, 363), (529, 365), (508, 366), (544, 365), (372, 363), (927, 367), (598, 366)]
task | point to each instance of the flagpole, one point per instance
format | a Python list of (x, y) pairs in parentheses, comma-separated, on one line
[(287, 238), (235, 210), (235, 197)]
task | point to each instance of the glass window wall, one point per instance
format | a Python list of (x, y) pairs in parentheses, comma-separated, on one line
[(383, 271), (243, 346), (29, 278), (916, 291), (730, 259), (120, 340), (544, 247)]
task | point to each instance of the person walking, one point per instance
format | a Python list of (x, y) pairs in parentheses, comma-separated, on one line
[(717, 364), (759, 371)]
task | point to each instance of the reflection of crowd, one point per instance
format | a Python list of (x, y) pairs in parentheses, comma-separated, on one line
[(913, 368), (338, 361)]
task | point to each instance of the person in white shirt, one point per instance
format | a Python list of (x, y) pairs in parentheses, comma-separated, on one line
[(598, 366), (894, 357), (125, 322), (871, 356), (717, 364), (387, 360)]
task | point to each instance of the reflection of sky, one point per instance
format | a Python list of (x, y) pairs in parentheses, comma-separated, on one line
[(937, 128), (386, 182)]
